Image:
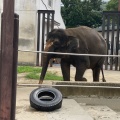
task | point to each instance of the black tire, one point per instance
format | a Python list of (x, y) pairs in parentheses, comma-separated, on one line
[(46, 99)]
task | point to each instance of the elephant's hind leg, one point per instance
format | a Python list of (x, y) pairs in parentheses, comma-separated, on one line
[(96, 74)]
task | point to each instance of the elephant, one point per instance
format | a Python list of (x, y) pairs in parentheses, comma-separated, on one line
[(79, 40)]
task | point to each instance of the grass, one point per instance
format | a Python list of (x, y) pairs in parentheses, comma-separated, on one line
[(26, 69), (34, 73)]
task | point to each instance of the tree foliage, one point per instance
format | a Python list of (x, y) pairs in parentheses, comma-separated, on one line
[(82, 12), (112, 5)]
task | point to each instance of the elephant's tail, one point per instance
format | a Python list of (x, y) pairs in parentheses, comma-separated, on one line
[(103, 77)]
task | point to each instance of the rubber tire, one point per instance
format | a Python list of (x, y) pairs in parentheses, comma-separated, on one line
[(45, 105)]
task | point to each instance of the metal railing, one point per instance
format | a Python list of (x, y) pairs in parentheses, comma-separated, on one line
[(45, 24), (111, 31)]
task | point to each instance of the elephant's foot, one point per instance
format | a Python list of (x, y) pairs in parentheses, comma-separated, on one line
[(40, 81), (84, 79), (103, 79)]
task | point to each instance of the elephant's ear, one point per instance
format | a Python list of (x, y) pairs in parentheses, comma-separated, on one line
[(72, 44)]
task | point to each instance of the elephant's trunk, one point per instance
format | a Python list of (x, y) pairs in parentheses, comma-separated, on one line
[(46, 58), (44, 67)]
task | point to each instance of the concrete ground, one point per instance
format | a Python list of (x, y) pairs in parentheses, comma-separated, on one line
[(93, 107), (73, 108), (70, 110)]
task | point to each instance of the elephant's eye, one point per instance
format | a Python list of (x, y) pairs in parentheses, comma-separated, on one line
[(56, 44)]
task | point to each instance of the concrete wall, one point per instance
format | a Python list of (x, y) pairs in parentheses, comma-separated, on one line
[(27, 30)]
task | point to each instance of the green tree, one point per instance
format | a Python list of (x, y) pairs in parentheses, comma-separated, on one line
[(82, 12), (95, 4), (112, 5), (71, 12)]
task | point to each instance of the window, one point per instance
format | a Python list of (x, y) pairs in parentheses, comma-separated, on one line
[(50, 3)]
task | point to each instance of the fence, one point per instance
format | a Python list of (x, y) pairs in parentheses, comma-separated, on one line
[(45, 24), (111, 31)]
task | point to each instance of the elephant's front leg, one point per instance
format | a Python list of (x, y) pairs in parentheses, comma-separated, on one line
[(65, 67), (80, 70)]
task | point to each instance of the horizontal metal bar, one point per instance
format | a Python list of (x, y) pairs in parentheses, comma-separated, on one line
[(75, 54), (111, 12), (46, 11), (82, 86)]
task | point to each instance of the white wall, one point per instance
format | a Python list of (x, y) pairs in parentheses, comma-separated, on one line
[(58, 16), (27, 29)]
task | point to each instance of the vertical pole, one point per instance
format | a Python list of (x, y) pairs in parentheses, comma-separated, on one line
[(112, 42), (48, 23), (118, 35), (117, 64), (103, 25), (52, 21), (15, 59), (43, 36), (52, 27), (117, 41), (103, 32), (38, 39), (107, 39), (6, 60), (43, 30)]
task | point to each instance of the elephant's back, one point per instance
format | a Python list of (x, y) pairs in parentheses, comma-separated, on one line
[(90, 38), (78, 31)]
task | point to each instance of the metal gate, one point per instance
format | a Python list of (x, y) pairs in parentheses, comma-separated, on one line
[(111, 31), (45, 24)]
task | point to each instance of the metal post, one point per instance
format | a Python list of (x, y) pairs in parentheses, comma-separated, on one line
[(38, 39), (15, 59), (43, 35)]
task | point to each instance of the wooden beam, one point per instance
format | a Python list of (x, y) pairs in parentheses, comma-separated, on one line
[(6, 60)]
